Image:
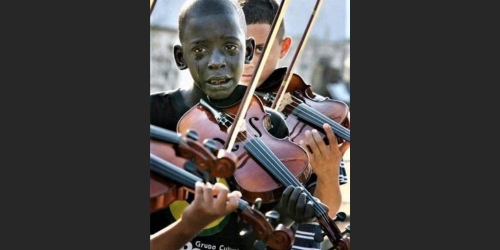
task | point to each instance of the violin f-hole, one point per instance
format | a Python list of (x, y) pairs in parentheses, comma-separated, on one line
[(250, 121), (234, 149)]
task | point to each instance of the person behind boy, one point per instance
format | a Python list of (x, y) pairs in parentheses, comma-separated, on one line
[(259, 15)]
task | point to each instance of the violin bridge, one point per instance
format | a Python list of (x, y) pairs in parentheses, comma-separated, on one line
[(287, 100), (267, 97), (242, 127)]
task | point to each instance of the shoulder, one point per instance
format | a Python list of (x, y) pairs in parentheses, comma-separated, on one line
[(161, 97), (163, 108)]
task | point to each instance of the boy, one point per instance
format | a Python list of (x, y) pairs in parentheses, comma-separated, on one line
[(214, 49)]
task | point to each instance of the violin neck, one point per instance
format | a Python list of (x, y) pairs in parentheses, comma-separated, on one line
[(314, 117), (164, 135), (169, 171), (180, 176), (258, 149)]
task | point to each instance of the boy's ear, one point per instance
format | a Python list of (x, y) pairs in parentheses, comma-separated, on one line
[(286, 44), (179, 57), (250, 49)]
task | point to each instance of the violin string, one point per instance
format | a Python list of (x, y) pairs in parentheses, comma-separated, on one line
[(337, 128), (321, 214), (340, 129), (288, 176), (182, 176), (318, 117), (164, 135), (287, 173)]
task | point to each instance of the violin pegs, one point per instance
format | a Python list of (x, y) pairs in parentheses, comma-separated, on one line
[(193, 135), (209, 178), (318, 235), (273, 217), (211, 145), (347, 230), (256, 205), (341, 216), (246, 231), (191, 167)]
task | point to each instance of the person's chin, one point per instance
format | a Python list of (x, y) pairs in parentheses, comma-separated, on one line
[(219, 92), (246, 80)]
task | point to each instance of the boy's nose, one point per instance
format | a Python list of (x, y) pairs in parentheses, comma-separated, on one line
[(217, 61), (249, 67), (215, 66)]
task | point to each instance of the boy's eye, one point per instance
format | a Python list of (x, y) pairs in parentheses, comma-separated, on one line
[(199, 50), (231, 47), (259, 49)]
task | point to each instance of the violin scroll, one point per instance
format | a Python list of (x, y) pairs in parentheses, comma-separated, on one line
[(279, 237)]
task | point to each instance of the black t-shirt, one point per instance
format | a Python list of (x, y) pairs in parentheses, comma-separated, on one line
[(166, 109)]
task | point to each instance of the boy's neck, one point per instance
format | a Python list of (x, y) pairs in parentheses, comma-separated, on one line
[(192, 95)]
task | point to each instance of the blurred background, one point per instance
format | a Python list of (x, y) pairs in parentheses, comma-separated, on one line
[(325, 62)]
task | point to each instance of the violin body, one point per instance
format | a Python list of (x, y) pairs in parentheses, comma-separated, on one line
[(178, 151), (161, 191), (336, 110), (253, 181)]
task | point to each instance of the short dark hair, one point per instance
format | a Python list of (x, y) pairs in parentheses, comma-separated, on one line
[(262, 12), (197, 8)]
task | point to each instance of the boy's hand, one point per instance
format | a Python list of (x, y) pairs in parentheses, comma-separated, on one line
[(294, 206), (325, 160), (206, 208)]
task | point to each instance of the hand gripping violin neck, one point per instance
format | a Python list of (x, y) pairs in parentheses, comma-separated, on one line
[(189, 153), (280, 238)]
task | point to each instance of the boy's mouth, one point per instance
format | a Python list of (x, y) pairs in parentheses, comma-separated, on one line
[(218, 80)]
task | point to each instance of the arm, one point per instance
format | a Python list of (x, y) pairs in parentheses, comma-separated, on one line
[(325, 161), (202, 211), (179, 230)]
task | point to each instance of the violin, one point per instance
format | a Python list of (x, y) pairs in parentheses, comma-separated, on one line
[(280, 238), (252, 179), (265, 164), (303, 110), (188, 152)]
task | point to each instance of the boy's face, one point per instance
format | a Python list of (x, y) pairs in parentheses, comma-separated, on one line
[(260, 32), (213, 48)]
